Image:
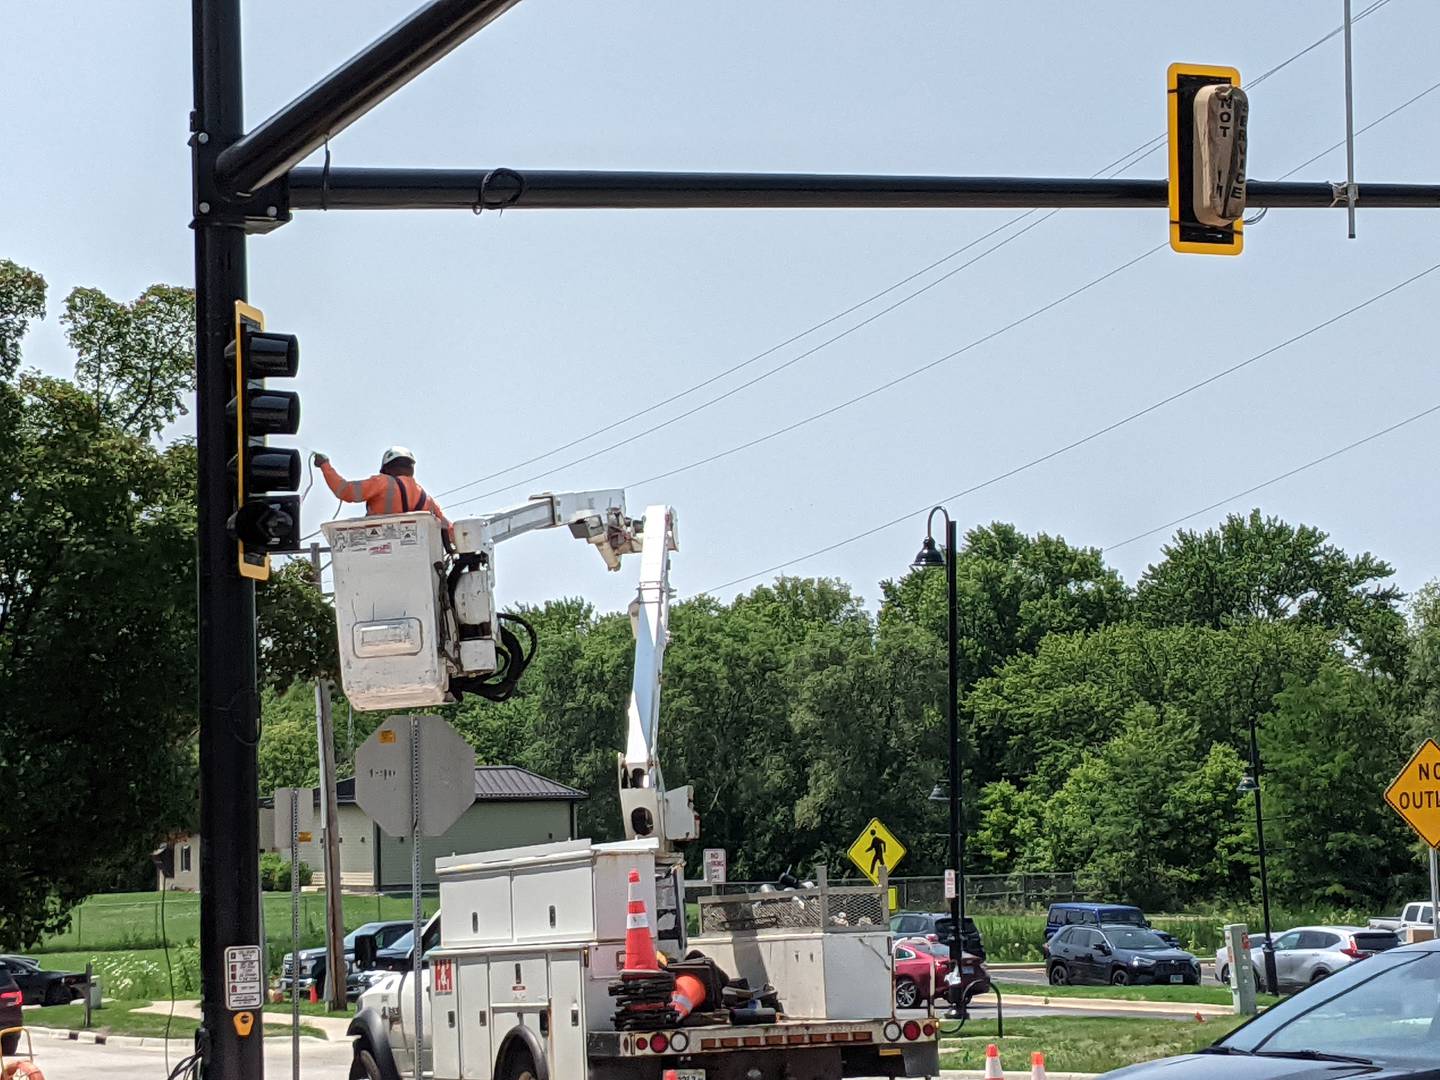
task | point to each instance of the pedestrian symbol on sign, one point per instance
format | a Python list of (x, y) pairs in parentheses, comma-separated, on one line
[(875, 848)]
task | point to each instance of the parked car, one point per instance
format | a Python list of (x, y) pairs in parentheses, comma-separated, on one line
[(922, 973), (1374, 1020), (1415, 913), (386, 933), (42, 987), (1087, 914), (1118, 954), (940, 926), (397, 956), (1308, 954), (10, 1014)]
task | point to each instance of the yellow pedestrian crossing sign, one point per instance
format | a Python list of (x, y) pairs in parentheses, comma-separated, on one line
[(875, 847)]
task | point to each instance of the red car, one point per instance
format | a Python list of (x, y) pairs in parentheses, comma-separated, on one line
[(920, 969)]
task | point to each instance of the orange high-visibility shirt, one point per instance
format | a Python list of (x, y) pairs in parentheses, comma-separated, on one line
[(384, 494)]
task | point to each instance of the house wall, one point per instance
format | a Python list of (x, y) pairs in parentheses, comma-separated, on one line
[(484, 827), (357, 850)]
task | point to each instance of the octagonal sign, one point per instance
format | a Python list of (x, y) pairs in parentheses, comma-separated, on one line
[(446, 772)]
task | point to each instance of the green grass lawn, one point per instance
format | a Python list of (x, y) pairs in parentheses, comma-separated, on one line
[(119, 1018), (129, 921), (1199, 995), (1081, 1044)]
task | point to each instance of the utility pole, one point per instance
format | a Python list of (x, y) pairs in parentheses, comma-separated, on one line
[(329, 833), (229, 1037)]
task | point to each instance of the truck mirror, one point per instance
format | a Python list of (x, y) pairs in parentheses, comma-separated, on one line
[(365, 952)]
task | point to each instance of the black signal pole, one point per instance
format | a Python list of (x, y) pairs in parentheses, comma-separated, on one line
[(229, 709)]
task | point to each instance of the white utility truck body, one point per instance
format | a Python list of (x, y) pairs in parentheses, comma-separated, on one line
[(531, 939), (522, 956)]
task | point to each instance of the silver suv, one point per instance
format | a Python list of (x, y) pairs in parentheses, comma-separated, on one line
[(1308, 953)]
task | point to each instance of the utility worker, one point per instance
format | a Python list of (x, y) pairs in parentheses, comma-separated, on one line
[(393, 490)]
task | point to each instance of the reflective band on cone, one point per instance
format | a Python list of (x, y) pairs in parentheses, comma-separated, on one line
[(639, 945), (992, 1063), (689, 995)]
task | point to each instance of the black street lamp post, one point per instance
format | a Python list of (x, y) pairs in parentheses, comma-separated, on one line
[(928, 557), (1252, 783)]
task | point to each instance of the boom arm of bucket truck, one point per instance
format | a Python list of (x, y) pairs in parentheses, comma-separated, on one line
[(648, 808)]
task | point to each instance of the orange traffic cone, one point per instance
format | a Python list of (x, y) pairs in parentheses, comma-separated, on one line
[(639, 945), (1037, 1066), (992, 1063), (689, 995), (314, 993)]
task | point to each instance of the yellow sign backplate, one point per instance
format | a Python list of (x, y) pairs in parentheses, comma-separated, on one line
[(876, 846), (1179, 129), (1415, 793)]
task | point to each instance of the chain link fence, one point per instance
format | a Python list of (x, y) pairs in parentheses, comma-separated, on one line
[(984, 893)]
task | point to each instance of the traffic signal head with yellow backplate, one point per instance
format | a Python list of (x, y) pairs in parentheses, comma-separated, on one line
[(1208, 114), (266, 518)]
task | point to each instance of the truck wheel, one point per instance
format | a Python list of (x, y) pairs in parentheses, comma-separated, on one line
[(363, 1067), (1224, 975), (519, 1065)]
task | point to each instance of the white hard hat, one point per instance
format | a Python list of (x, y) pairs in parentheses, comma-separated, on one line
[(395, 453)]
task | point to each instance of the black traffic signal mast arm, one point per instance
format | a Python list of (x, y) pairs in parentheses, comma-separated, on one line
[(455, 189), (248, 182)]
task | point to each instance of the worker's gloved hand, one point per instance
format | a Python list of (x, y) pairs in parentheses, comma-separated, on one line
[(318, 458)]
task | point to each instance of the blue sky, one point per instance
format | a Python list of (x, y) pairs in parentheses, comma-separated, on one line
[(484, 341)]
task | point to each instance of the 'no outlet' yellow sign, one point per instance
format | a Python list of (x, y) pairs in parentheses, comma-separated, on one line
[(1415, 793)]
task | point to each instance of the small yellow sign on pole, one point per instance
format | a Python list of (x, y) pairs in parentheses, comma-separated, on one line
[(874, 848), (1415, 793)]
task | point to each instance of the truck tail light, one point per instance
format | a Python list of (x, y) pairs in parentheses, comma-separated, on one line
[(911, 1030), (659, 1043)]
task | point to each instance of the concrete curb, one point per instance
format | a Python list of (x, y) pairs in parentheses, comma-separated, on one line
[(979, 1074), (156, 1041), (1160, 1008)]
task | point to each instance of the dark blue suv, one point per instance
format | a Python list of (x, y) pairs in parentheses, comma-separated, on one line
[(1085, 914)]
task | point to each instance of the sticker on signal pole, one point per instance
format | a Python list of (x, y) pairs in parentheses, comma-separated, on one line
[(876, 847), (950, 891), (1415, 793), (243, 984)]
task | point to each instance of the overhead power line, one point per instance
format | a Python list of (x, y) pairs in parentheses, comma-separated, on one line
[(1091, 437), (1276, 479), (1119, 165)]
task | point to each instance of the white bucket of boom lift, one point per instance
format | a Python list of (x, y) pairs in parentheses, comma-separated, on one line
[(388, 575)]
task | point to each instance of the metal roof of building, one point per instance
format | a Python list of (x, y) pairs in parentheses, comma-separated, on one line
[(493, 783)]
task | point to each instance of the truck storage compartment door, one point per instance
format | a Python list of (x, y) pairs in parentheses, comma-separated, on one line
[(477, 1053)]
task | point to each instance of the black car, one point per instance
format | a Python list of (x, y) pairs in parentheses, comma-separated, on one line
[(10, 1014), (398, 957), (41, 987), (1375, 1019), (939, 925), (1118, 954), (386, 933)]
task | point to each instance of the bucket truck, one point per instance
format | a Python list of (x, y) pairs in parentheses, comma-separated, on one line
[(523, 959)]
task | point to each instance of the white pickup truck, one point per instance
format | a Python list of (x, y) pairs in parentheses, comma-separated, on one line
[(1418, 913)]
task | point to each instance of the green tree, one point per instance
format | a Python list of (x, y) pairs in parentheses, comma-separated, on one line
[(1151, 816), (97, 599), (1330, 748), (1255, 568)]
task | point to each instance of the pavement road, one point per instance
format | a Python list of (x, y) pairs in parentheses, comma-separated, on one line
[(1034, 975), (61, 1059)]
